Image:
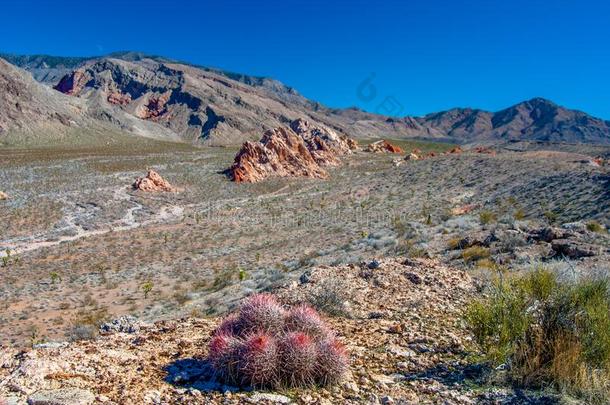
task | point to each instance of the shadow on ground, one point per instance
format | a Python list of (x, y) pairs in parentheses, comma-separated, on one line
[(195, 373), (480, 375)]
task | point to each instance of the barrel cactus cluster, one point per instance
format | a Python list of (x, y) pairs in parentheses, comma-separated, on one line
[(264, 345)]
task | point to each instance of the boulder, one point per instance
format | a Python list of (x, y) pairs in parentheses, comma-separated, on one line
[(546, 234), (153, 182), (383, 146), (412, 156), (571, 249), (3, 196), (124, 324), (301, 150), (464, 209)]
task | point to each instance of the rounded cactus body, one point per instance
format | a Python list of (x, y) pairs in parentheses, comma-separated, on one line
[(265, 346)]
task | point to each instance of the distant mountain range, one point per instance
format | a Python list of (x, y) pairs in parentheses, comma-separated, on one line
[(157, 97)]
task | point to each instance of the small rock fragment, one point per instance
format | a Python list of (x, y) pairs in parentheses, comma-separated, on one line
[(62, 396), (124, 324), (267, 397)]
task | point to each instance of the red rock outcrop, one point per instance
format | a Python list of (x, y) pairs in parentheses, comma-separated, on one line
[(118, 98), (153, 182), (417, 154), (464, 209), (484, 150), (299, 151), (73, 83), (155, 108), (383, 146)]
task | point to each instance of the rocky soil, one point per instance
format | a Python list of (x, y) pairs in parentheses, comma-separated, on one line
[(401, 325), (84, 245)]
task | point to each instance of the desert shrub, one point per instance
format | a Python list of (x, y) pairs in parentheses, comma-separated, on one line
[(181, 296), (409, 247), (330, 296), (549, 332), (265, 346), (455, 243), (519, 214), (551, 216), (486, 264), (487, 217), (475, 253), (86, 323), (224, 278), (595, 226), (509, 242)]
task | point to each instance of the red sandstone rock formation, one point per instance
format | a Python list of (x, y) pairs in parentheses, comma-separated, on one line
[(118, 98), (484, 150), (299, 151), (74, 83), (464, 209), (598, 161), (155, 108), (383, 146), (153, 182)]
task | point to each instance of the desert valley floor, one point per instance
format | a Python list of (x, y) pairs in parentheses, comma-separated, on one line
[(80, 247)]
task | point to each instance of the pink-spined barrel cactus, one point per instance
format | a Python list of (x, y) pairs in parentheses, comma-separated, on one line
[(264, 345), (261, 312), (298, 357), (305, 319)]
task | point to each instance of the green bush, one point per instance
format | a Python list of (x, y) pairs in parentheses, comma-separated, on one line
[(475, 253), (595, 226), (519, 214), (487, 217), (551, 216), (549, 332)]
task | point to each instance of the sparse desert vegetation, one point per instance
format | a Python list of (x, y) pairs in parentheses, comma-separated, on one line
[(428, 230), (94, 250), (549, 331)]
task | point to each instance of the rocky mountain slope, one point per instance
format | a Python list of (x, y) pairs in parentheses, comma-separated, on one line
[(155, 96), (26, 105), (195, 104), (536, 119), (32, 113)]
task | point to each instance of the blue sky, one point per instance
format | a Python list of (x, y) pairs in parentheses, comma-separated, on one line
[(424, 55)]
